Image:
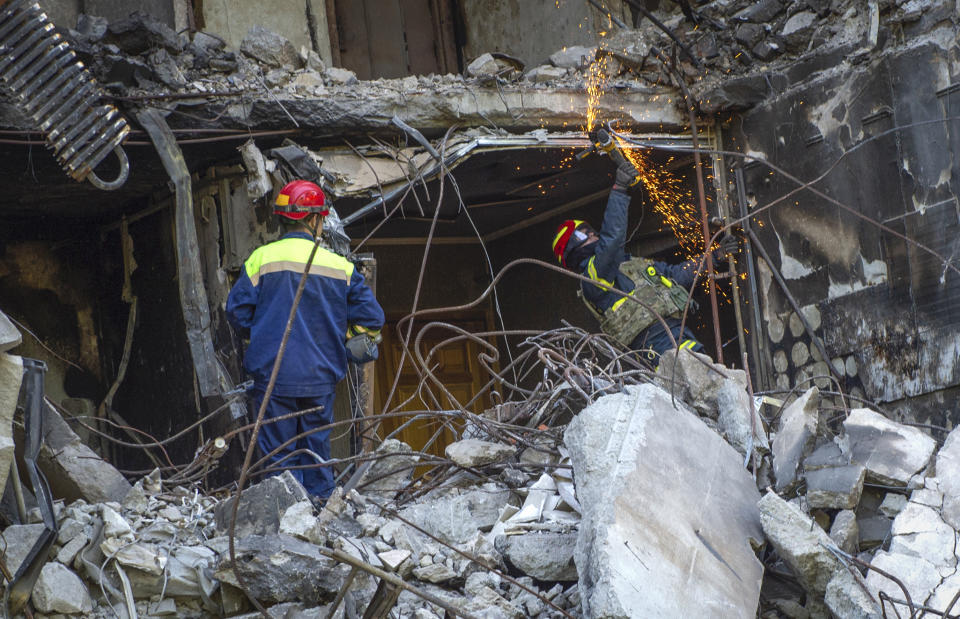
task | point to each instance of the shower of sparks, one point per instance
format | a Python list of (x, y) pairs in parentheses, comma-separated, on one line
[(674, 202)]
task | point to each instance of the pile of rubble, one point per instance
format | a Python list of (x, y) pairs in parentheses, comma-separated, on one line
[(646, 501)]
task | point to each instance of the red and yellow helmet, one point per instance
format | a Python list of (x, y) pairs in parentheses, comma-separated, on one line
[(562, 241), (304, 197)]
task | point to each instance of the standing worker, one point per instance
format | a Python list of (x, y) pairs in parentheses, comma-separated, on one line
[(662, 288), (337, 317)]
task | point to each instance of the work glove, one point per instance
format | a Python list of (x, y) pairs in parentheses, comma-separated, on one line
[(729, 244), (627, 175), (362, 348)]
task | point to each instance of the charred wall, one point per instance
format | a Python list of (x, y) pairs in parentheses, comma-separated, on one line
[(869, 250)]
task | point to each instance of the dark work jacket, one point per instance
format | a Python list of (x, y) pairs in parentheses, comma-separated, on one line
[(604, 266), (335, 297)]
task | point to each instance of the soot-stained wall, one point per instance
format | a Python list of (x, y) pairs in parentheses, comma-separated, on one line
[(880, 137)]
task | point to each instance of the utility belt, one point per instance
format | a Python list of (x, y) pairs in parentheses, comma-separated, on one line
[(625, 319)]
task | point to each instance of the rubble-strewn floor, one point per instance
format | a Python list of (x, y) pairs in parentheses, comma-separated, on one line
[(618, 496)]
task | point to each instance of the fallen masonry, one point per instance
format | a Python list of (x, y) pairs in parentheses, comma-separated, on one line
[(614, 517)]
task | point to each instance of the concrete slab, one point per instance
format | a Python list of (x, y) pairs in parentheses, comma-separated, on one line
[(892, 452), (795, 438), (668, 512)]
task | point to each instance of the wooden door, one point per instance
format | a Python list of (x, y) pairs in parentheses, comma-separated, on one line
[(396, 38), (457, 367)]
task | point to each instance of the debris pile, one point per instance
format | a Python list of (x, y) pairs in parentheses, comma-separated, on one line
[(606, 475)]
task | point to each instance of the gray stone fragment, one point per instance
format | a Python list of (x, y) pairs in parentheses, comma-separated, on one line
[(763, 11), (19, 539), (141, 32), (716, 392), (456, 515), (390, 472), (948, 472), (689, 539), (798, 30), (69, 551), (59, 590), (892, 452), (749, 34), (298, 519), (845, 531), (473, 452), (835, 488), (918, 530), (874, 530), (485, 64), (270, 48), (795, 439), (166, 70), (846, 598), (893, 504), (827, 455), (546, 73), (799, 542), (436, 573), (541, 555), (10, 336), (338, 75), (918, 575), (573, 57), (72, 469), (279, 568), (11, 377), (261, 506)]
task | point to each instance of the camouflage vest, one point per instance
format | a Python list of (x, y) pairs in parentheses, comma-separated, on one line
[(626, 318)]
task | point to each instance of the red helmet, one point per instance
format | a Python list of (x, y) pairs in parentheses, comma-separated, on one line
[(305, 198), (568, 238)]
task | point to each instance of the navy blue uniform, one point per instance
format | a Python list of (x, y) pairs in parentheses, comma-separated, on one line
[(335, 297)]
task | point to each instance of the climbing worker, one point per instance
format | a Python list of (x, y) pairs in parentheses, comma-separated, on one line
[(337, 318), (662, 288)]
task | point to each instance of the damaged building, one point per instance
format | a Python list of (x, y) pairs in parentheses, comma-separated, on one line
[(502, 457)]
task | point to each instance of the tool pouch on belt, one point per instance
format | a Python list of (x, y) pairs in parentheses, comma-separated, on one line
[(660, 295)]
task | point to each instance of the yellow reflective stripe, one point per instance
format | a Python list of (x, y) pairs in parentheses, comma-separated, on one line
[(283, 200), (592, 273), (666, 282), (556, 239), (687, 344), (291, 255), (358, 329)]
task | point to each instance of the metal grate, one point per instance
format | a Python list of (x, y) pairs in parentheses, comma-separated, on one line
[(51, 86)]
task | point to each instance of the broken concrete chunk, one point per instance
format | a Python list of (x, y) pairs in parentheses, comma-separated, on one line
[(473, 452), (436, 573), (60, 590), (798, 30), (573, 57), (298, 519), (845, 531), (796, 438), (799, 542), (846, 598), (72, 469), (19, 539), (11, 377), (827, 455), (543, 556), (270, 48), (279, 568), (892, 452), (340, 76), (918, 530), (893, 504), (545, 73), (918, 575), (948, 472), (390, 472), (10, 336), (835, 488), (141, 32), (456, 515), (261, 506), (115, 525), (690, 542), (874, 530), (484, 64)]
